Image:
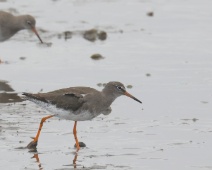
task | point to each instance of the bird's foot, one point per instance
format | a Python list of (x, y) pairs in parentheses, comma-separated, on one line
[(32, 145), (81, 144)]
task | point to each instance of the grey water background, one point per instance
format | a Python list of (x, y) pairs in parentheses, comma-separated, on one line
[(166, 58)]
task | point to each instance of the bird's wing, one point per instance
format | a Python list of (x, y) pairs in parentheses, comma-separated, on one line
[(68, 99), (76, 90)]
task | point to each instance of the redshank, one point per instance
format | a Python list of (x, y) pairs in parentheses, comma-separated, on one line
[(77, 104), (10, 25)]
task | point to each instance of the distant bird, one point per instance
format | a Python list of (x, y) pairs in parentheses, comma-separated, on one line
[(10, 25), (77, 104)]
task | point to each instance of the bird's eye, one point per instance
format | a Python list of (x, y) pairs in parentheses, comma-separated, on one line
[(119, 87), (28, 22)]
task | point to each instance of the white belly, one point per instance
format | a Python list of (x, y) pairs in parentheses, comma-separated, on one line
[(65, 114), (75, 117)]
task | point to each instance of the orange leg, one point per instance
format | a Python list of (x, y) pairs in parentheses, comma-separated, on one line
[(33, 144), (75, 135), (40, 127)]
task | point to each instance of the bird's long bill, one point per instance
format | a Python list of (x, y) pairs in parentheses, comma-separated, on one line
[(131, 96), (36, 33)]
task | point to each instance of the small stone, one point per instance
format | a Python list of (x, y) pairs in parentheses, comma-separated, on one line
[(129, 86), (194, 119), (150, 14), (148, 74), (22, 58), (97, 56), (90, 35), (204, 102), (102, 35), (121, 31)]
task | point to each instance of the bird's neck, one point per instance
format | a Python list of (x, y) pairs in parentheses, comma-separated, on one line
[(109, 97), (18, 23)]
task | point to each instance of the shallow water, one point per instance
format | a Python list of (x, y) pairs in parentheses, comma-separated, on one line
[(166, 58)]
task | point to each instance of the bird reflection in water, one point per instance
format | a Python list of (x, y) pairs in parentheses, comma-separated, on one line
[(38, 161), (36, 156), (74, 160)]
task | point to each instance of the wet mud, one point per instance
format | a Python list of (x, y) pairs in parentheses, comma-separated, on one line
[(97, 57), (7, 94), (91, 35), (168, 66)]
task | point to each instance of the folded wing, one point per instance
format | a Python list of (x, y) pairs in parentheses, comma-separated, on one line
[(67, 99)]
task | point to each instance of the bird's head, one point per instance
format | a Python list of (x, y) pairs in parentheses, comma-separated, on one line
[(29, 23), (117, 89)]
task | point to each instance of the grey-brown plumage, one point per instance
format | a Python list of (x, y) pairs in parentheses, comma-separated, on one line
[(68, 99), (78, 100), (10, 25), (78, 104)]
